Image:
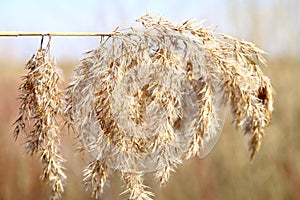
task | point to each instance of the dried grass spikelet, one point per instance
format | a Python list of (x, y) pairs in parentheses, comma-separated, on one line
[(146, 100), (41, 105)]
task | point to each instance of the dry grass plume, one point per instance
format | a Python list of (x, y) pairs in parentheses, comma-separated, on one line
[(146, 100), (40, 110)]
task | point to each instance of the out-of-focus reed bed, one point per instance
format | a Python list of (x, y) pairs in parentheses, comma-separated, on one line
[(225, 174)]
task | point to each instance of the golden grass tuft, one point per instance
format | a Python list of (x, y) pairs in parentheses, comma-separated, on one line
[(146, 100), (41, 106)]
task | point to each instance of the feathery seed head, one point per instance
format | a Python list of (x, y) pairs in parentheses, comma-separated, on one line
[(40, 111), (144, 101)]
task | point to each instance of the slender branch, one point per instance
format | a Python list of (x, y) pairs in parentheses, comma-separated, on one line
[(21, 34)]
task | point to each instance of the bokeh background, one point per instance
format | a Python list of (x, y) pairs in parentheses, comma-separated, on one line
[(274, 25)]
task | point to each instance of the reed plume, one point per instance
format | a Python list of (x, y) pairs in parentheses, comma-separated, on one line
[(144, 101), (147, 99), (38, 121)]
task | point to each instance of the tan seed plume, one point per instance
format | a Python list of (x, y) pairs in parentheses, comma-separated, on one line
[(41, 105), (144, 101), (147, 99)]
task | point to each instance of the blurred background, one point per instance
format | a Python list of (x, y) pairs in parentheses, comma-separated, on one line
[(273, 25)]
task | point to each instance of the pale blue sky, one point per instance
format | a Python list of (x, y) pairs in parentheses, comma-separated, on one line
[(105, 15), (90, 15)]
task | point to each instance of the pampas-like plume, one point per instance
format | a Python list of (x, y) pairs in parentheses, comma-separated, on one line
[(146, 100), (40, 108)]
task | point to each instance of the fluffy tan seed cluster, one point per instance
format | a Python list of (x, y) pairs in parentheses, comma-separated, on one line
[(41, 105), (144, 101), (147, 99)]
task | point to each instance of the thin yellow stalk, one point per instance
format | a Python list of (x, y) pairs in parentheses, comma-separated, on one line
[(21, 34)]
